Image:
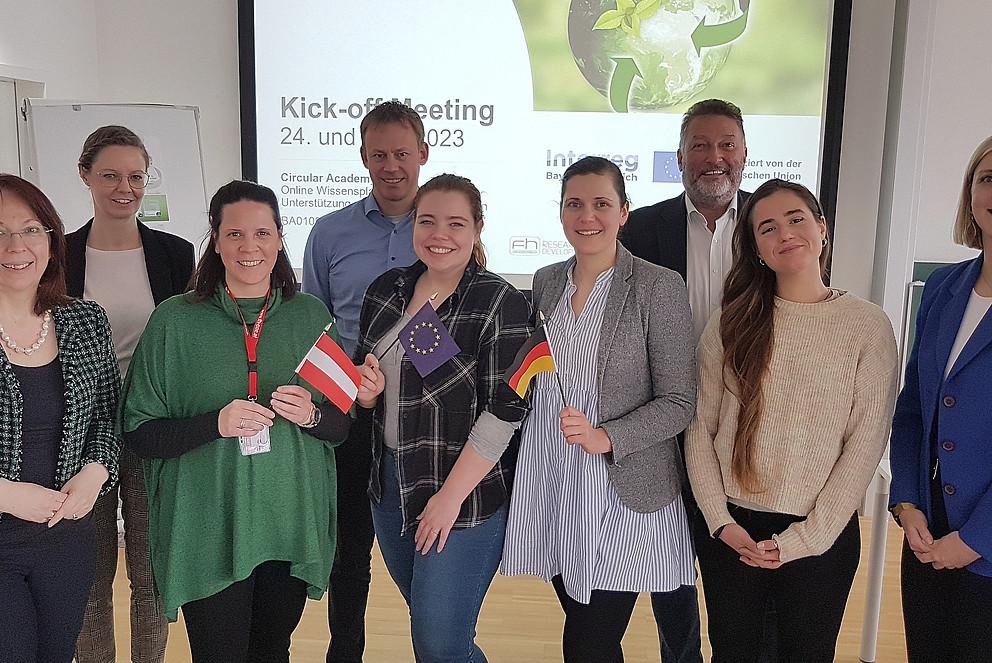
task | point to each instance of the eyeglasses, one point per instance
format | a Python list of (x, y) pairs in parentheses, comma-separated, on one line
[(30, 235), (110, 179)]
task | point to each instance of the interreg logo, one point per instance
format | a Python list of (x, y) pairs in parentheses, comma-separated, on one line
[(525, 245), (627, 163), (666, 168)]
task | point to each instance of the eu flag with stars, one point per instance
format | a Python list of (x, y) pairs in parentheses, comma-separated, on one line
[(666, 168), (427, 342)]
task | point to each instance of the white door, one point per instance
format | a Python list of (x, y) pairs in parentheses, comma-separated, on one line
[(9, 157)]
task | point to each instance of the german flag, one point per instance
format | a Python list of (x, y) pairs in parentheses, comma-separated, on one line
[(534, 357)]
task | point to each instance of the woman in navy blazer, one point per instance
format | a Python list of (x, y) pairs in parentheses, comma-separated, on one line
[(942, 446)]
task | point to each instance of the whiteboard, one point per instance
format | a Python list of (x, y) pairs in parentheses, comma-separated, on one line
[(57, 129)]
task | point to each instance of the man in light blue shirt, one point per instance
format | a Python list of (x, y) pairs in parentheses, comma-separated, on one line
[(346, 251)]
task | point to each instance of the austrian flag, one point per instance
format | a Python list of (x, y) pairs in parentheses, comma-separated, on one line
[(331, 372)]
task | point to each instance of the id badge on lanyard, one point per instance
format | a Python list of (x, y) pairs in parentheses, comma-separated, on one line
[(259, 442)]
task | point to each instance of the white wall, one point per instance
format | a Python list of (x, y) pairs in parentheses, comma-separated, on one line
[(860, 178), (957, 103), (178, 52), (939, 101), (53, 42)]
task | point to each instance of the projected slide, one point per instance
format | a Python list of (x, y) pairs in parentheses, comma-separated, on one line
[(511, 93)]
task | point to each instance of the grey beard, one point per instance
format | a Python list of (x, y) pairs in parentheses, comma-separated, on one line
[(711, 196)]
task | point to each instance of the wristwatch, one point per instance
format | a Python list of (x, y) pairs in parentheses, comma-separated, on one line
[(313, 420), (899, 508)]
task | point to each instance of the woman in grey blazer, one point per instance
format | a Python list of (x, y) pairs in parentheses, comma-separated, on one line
[(596, 506)]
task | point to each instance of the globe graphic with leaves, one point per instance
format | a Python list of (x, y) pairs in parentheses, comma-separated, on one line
[(660, 36)]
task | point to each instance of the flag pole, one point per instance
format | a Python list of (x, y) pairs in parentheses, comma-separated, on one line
[(561, 388), (388, 347)]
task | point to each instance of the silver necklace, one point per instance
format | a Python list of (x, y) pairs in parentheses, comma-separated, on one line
[(12, 344)]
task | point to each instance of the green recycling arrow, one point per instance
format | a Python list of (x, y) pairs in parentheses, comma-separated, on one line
[(707, 36), (621, 81)]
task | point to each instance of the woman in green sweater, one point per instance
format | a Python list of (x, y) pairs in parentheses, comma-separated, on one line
[(796, 388), (239, 462)]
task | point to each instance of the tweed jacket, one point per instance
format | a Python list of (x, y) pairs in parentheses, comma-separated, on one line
[(92, 389), (646, 375)]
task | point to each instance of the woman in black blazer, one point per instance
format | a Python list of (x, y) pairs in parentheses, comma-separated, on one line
[(127, 268)]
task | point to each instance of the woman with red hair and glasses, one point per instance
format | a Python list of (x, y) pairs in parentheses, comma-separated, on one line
[(59, 385)]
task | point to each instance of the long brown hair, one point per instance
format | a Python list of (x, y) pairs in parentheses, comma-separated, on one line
[(747, 327), (51, 288)]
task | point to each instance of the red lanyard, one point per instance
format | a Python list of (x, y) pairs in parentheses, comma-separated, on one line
[(251, 342)]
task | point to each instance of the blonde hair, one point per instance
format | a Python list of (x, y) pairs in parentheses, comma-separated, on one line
[(966, 230)]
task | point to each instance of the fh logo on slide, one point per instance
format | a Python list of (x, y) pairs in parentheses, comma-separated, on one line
[(525, 245)]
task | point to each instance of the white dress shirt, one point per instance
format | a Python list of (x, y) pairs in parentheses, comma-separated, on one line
[(709, 256)]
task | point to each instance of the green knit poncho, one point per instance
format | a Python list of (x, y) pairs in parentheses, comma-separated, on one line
[(214, 515)]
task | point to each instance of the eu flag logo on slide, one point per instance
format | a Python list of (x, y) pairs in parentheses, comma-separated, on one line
[(666, 168), (427, 342)]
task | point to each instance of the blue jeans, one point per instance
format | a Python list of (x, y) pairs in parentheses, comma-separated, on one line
[(443, 591)]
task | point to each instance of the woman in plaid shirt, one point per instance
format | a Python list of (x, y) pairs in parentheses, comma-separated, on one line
[(442, 459), (59, 385)]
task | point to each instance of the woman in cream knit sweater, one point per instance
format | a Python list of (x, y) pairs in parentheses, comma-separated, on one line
[(797, 383)]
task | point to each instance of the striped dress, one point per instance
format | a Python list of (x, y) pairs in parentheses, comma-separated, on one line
[(565, 517)]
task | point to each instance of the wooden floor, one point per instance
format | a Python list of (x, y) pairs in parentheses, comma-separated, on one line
[(521, 621)]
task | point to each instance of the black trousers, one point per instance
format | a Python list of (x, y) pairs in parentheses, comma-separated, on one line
[(252, 621), (676, 614), (810, 594), (680, 641), (947, 613), (45, 578), (348, 594), (593, 631)]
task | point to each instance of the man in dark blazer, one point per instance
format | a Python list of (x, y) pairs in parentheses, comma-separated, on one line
[(691, 234)]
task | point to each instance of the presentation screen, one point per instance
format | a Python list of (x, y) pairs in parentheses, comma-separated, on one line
[(511, 93)]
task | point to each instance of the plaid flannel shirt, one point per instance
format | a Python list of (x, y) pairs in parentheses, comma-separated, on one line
[(92, 389), (489, 320)]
